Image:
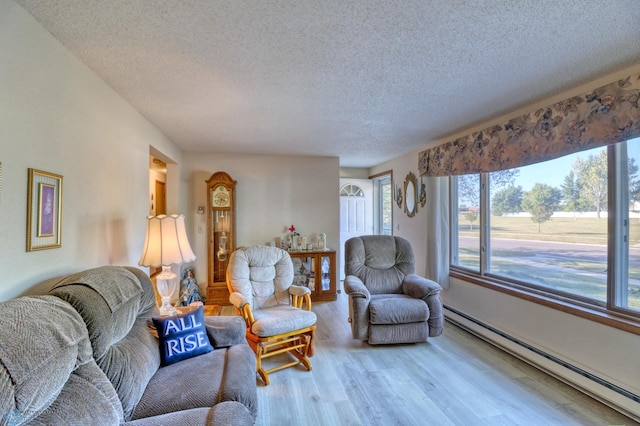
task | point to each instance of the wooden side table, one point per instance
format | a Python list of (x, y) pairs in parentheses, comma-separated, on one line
[(209, 310)]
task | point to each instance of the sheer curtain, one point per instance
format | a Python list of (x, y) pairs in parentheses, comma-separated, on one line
[(437, 209)]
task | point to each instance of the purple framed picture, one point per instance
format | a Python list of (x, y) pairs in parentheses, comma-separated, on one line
[(44, 215), (45, 209)]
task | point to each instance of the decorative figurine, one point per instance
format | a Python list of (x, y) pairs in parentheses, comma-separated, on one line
[(322, 241), (191, 291)]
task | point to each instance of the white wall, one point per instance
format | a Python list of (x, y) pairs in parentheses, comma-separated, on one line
[(272, 192), (56, 115), (354, 173)]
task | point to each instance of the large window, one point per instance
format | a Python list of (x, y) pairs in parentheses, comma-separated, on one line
[(467, 239), (569, 228)]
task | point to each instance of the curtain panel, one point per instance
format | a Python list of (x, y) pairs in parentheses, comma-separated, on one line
[(606, 115), (438, 230)]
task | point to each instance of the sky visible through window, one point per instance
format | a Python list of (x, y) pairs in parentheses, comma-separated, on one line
[(554, 176)]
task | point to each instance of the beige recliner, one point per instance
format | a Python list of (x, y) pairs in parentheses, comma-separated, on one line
[(388, 303)]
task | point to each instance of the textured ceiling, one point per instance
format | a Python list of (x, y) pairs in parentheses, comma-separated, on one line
[(365, 81)]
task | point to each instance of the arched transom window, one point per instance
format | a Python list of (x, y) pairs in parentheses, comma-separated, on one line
[(350, 190)]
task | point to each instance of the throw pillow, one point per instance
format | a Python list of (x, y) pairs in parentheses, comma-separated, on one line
[(182, 336)]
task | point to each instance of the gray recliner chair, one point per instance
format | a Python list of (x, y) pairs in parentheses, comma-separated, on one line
[(388, 302)]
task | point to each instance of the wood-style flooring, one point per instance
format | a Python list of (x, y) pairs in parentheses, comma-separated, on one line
[(454, 379)]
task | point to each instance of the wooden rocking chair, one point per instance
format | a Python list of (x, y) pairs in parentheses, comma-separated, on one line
[(277, 313)]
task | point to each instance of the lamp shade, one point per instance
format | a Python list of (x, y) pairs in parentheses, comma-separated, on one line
[(166, 242)]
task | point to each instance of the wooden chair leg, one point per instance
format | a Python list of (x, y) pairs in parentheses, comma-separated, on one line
[(312, 334), (263, 374), (301, 353)]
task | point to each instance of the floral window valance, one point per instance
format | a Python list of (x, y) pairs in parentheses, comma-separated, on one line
[(603, 116)]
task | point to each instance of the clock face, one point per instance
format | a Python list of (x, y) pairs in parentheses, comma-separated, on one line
[(221, 197)]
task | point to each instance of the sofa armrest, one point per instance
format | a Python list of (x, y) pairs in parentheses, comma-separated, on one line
[(419, 287), (429, 291), (359, 298), (354, 287), (238, 300), (300, 296), (298, 290), (223, 413), (225, 331)]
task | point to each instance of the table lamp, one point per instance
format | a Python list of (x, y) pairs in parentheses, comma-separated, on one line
[(166, 244)]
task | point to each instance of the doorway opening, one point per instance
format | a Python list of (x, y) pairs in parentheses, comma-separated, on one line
[(157, 194), (157, 186), (365, 208), (356, 211)]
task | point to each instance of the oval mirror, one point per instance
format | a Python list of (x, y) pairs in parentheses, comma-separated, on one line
[(410, 202)]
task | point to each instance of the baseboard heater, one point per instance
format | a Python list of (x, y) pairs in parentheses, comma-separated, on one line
[(462, 320)]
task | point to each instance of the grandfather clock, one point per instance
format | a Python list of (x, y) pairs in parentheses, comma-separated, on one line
[(221, 234)]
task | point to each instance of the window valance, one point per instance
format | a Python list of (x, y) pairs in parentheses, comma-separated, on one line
[(606, 115)]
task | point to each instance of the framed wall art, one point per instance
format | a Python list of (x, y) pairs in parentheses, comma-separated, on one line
[(44, 210)]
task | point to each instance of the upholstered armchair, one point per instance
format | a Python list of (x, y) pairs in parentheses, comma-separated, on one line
[(277, 313), (388, 302)]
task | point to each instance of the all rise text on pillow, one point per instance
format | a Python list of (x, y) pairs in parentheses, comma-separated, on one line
[(186, 343)]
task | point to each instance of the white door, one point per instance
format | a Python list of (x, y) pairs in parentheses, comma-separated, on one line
[(356, 212)]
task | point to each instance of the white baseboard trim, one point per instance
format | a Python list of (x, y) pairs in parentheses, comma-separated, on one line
[(616, 397)]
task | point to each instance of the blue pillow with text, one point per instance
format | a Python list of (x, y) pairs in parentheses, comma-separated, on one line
[(182, 336)]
